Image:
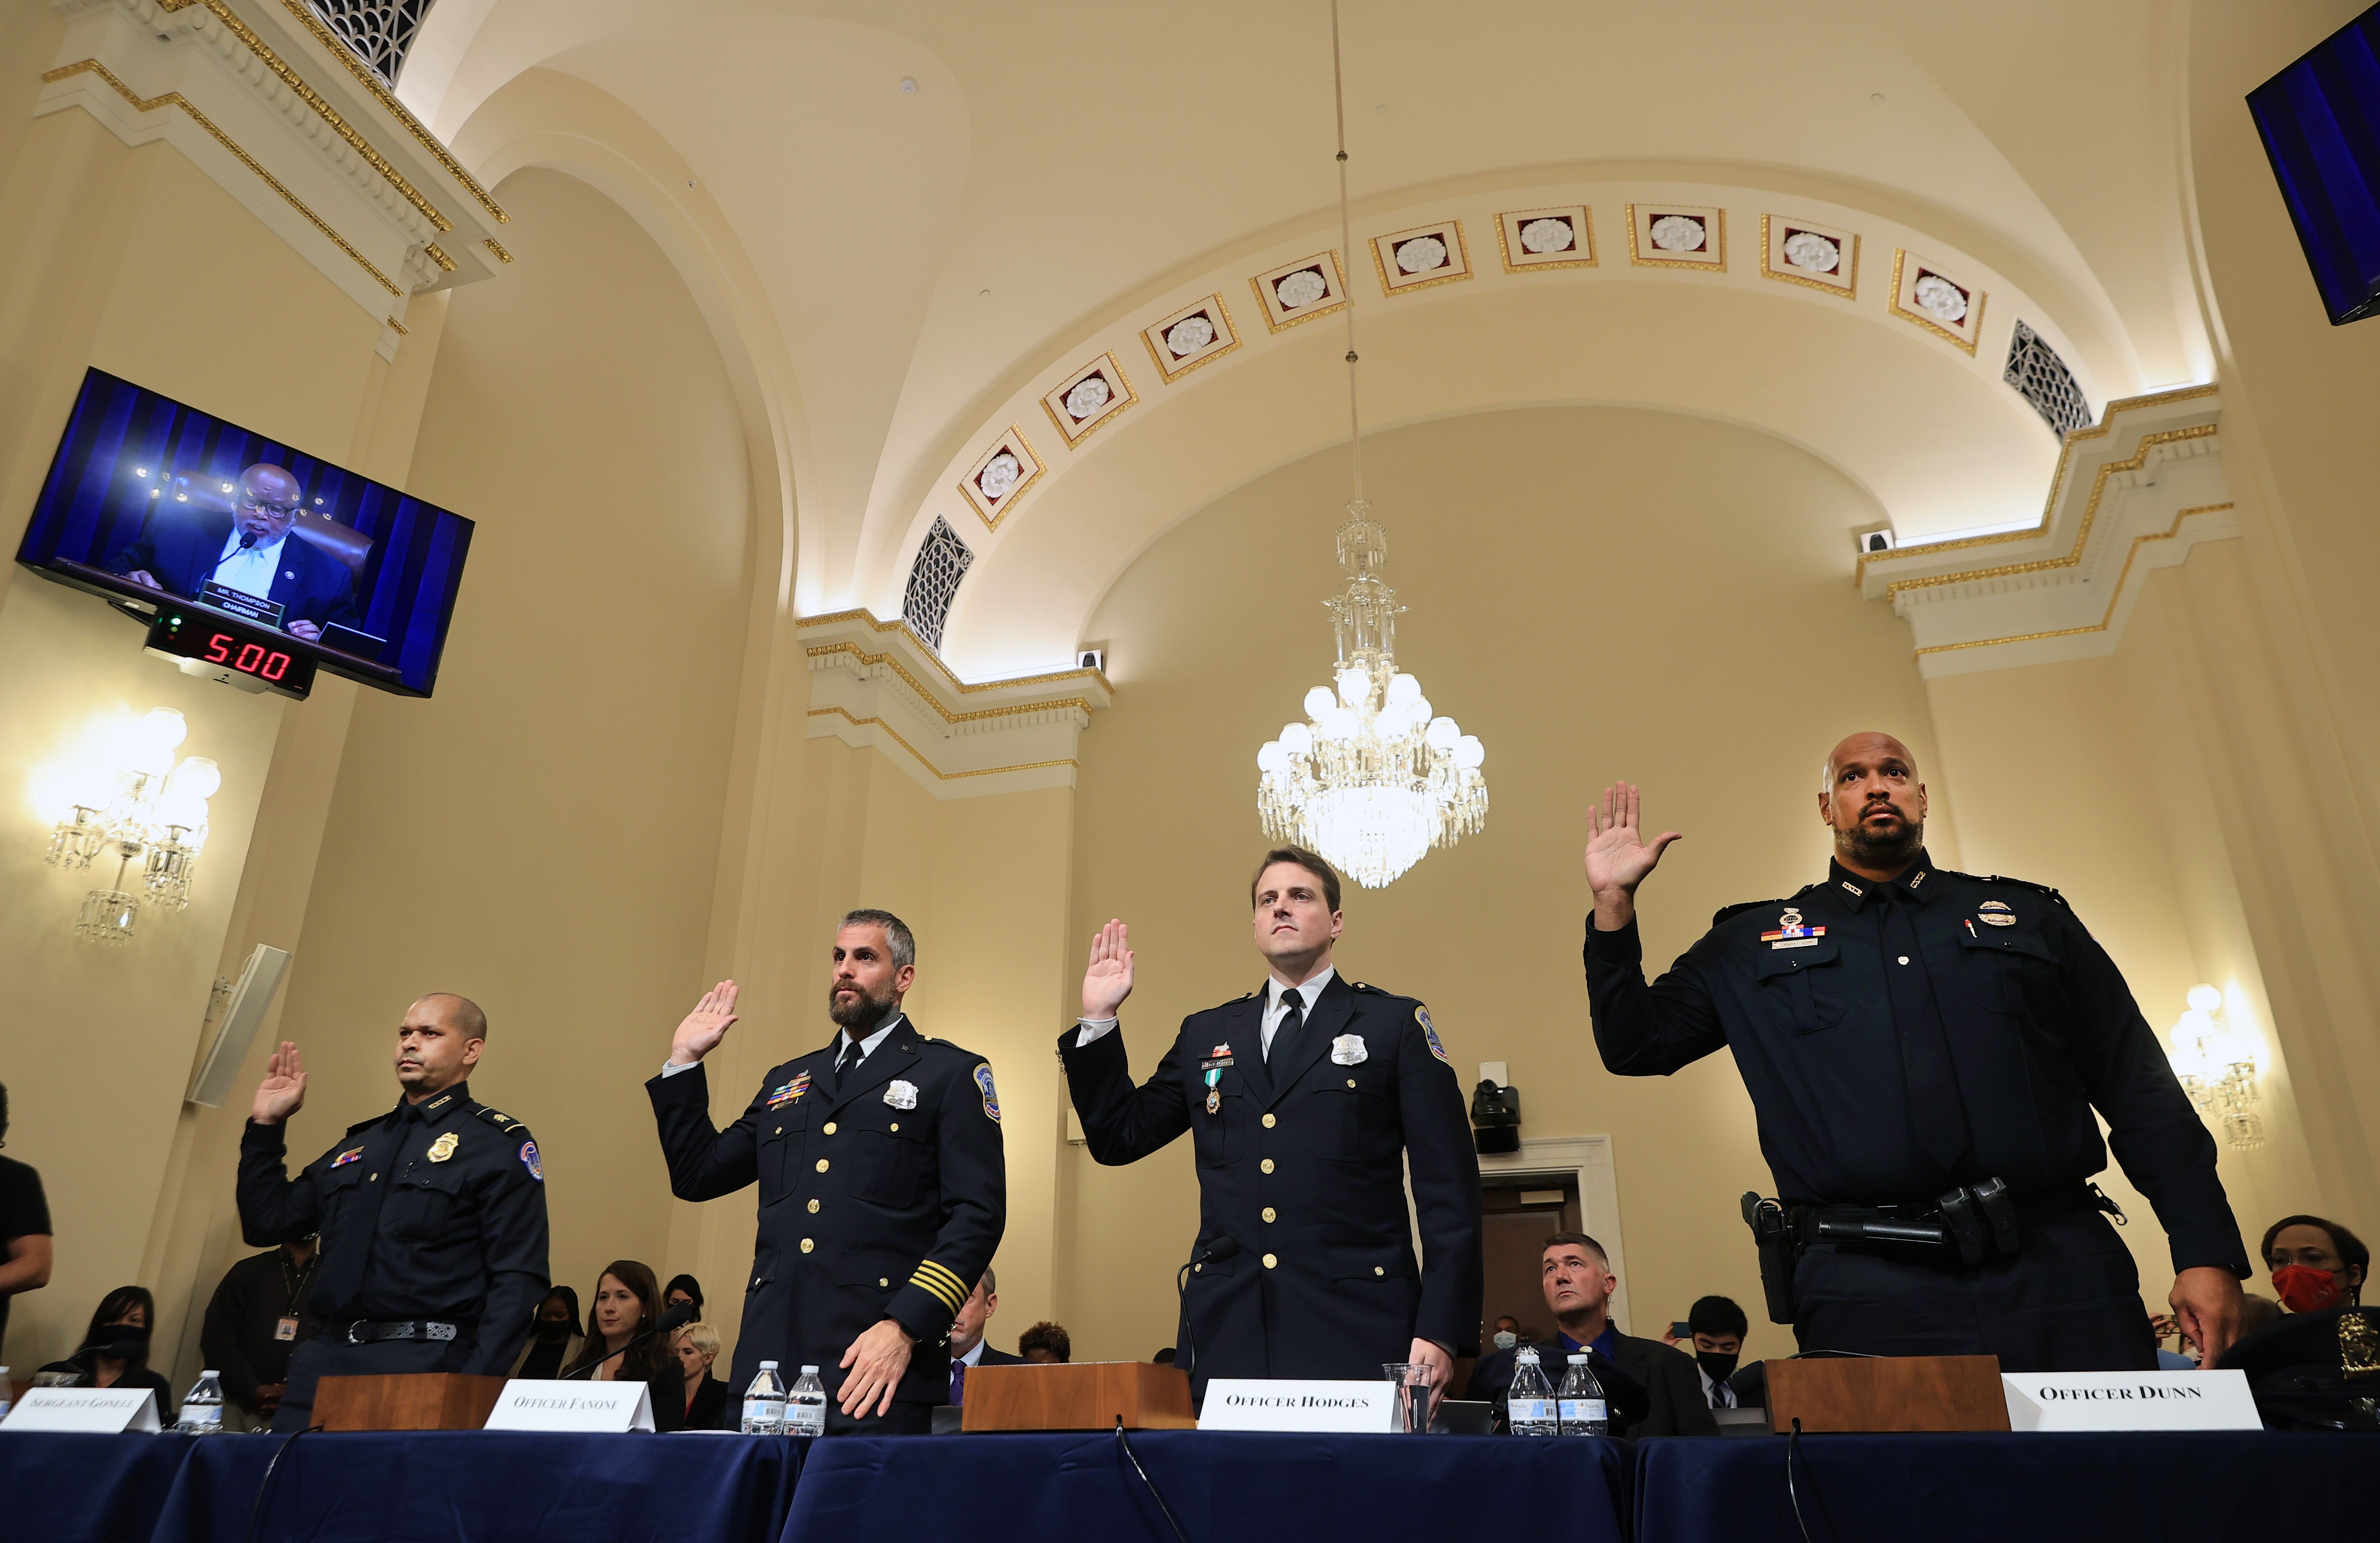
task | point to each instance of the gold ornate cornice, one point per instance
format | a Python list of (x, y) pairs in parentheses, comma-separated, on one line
[(176, 99), (2057, 481), (894, 734), (434, 255), (498, 249), (1020, 710), (2115, 596), (898, 625)]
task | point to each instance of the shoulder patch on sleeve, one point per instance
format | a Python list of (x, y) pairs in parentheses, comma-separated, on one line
[(983, 1085), (529, 1161), (1430, 1033), (1726, 911)]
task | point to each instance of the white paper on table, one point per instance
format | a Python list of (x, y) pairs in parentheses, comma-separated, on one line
[(1298, 1404), (106, 1410), (541, 1404)]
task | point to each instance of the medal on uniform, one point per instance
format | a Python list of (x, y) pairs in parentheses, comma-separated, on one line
[(1214, 1092), (444, 1148), (1995, 913), (1791, 933), (353, 1154)]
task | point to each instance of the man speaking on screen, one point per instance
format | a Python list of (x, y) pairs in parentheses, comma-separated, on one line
[(1306, 1100), (250, 552)]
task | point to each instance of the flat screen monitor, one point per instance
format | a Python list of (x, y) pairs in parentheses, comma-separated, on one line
[(2320, 119), (152, 501)]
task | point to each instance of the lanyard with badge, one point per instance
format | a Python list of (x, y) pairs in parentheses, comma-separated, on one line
[(294, 1281)]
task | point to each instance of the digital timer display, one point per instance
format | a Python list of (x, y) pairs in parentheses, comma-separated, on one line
[(251, 658)]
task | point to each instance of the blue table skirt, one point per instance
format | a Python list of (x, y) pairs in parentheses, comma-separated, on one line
[(453, 1486), (1222, 1487), (2040, 1488), (64, 1489)]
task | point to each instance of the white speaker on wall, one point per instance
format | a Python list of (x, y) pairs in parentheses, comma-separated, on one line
[(260, 982)]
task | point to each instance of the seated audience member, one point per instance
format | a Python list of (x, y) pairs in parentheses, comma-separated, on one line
[(1046, 1345), (1507, 1333), (706, 1396), (684, 1291), (1163, 1358), (1651, 1388), (967, 1346), (2316, 1264), (554, 1337), (619, 1349), (24, 1225), (254, 1320), (115, 1352), (1718, 1327)]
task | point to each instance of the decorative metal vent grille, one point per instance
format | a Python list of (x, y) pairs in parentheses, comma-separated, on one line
[(2042, 379), (380, 31), (934, 577)]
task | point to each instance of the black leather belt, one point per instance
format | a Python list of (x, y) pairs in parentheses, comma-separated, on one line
[(364, 1332), (1975, 1221)]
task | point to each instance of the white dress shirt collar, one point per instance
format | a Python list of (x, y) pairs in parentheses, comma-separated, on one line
[(867, 1046), (1307, 995)]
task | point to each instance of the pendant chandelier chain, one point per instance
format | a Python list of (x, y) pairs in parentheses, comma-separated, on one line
[(1347, 245)]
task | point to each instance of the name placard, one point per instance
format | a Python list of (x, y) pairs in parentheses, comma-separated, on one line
[(2130, 1401), (1297, 1404), (104, 1410), (575, 1405)]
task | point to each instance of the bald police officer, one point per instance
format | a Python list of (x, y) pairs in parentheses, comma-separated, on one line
[(883, 1190), (1923, 1049), (432, 1215), (1306, 1100)]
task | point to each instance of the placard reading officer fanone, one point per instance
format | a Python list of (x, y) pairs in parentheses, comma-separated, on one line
[(1297, 1404), (2130, 1401), (529, 1404)]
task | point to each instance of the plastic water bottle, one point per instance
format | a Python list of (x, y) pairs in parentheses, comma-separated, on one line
[(1583, 1409), (1530, 1405), (202, 1406), (805, 1410), (764, 1404)]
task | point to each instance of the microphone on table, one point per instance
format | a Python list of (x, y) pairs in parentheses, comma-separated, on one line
[(1222, 1248), (671, 1321)]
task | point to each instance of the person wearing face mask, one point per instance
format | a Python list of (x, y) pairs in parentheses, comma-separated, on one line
[(1507, 1333), (554, 1337), (115, 1352), (1715, 1327), (2316, 1264)]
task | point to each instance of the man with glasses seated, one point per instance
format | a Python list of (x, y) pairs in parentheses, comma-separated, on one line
[(250, 552)]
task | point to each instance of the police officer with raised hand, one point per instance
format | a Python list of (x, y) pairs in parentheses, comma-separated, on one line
[(432, 1215), (1306, 1100), (1924, 1050), (883, 1189)]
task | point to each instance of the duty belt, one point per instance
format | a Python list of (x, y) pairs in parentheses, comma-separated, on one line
[(367, 1332)]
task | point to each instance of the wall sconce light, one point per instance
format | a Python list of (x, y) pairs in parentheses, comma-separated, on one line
[(2216, 1066), (134, 801)]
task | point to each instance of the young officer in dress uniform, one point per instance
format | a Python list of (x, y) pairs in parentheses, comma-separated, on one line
[(1923, 1049), (883, 1191), (1305, 1100), (432, 1216)]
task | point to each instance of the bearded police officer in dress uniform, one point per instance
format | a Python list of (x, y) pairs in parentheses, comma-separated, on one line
[(1923, 1049), (883, 1187), (1304, 1102), (432, 1216)]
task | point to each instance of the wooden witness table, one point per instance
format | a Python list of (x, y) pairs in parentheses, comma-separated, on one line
[(1088, 1395)]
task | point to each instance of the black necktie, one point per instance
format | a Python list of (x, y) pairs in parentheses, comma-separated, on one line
[(845, 1057), (1293, 1015), (1935, 1107), (348, 1257)]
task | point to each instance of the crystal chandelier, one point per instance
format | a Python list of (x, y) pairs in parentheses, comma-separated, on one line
[(2217, 1066), (1371, 780), (142, 807)]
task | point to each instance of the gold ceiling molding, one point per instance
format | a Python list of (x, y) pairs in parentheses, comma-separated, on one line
[(397, 326), (2117, 595), (176, 99), (898, 625), (434, 255), (1023, 709), (312, 98), (2057, 481), (2138, 458), (894, 734), (498, 248)]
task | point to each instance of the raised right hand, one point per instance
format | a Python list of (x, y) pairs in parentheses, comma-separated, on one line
[(699, 1032), (1109, 980), (1617, 856), (283, 1092)]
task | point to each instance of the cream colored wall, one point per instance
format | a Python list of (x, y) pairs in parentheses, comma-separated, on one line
[(542, 834), (1597, 593)]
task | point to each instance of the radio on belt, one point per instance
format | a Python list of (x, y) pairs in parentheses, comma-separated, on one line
[(252, 657)]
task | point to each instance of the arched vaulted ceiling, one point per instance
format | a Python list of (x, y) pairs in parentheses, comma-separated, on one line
[(924, 216)]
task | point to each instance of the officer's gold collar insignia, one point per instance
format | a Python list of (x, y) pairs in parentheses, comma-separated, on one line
[(444, 1148), (440, 1100), (1919, 880), (1854, 889)]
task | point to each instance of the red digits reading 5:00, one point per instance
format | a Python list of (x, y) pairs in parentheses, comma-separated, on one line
[(251, 656), (275, 666), (219, 647)]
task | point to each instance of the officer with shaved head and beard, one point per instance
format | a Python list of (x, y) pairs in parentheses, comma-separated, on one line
[(1925, 1051)]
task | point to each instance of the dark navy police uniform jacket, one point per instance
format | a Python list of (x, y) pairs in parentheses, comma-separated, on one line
[(881, 1197), (1305, 1165)]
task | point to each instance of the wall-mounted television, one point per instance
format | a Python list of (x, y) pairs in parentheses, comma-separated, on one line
[(2320, 119), (181, 515)]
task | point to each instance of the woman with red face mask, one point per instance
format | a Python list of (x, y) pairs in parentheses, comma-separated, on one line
[(2316, 1264)]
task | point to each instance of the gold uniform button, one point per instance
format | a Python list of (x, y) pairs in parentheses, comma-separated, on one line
[(829, 1127), (1267, 1213), (1351, 1082), (1378, 1270), (821, 1165), (813, 1208), (884, 1281), (808, 1245), (1266, 1165), (1270, 1261), (1268, 1122), (781, 1130), (896, 1124)]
